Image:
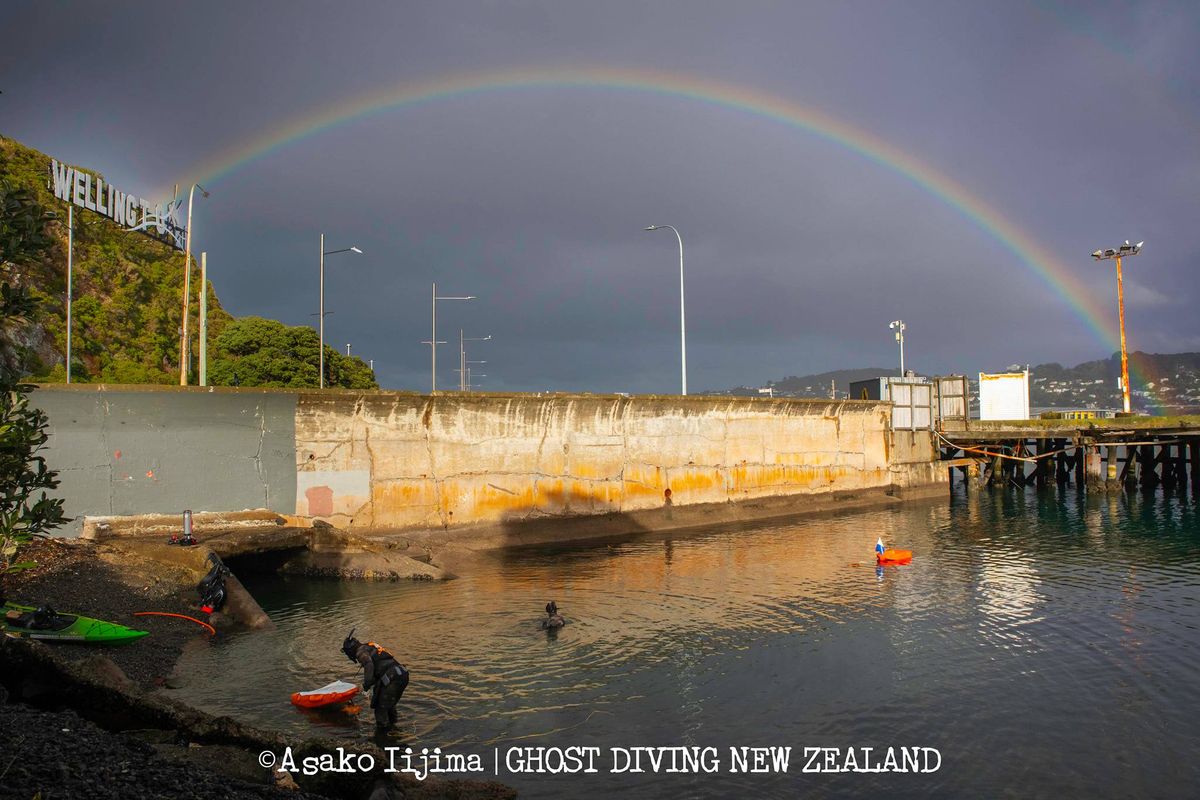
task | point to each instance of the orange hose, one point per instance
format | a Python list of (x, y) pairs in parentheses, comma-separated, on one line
[(211, 629)]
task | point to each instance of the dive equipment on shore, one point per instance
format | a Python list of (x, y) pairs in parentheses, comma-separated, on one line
[(212, 585)]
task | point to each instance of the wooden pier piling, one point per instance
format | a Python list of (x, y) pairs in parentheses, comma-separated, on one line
[(1194, 448), (1097, 455)]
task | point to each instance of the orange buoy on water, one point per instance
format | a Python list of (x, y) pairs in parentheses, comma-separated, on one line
[(894, 557), (336, 692)]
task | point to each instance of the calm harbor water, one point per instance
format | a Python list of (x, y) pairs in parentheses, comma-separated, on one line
[(1046, 644)]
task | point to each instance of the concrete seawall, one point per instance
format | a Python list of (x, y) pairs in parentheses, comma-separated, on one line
[(390, 461), (137, 450)]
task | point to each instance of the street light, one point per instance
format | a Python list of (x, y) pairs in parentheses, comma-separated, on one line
[(321, 310), (1117, 253), (184, 351), (468, 369), (463, 384), (433, 342), (682, 326), (898, 326)]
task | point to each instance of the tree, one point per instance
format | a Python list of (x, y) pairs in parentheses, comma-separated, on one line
[(253, 351), (23, 472), (23, 237), (348, 372)]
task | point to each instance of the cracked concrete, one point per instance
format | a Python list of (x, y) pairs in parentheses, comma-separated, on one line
[(462, 460), (405, 462), (136, 450)]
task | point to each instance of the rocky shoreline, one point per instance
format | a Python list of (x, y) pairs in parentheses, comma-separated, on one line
[(74, 576), (80, 721), (52, 754)]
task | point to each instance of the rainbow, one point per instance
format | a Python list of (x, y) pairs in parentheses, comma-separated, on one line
[(1054, 273)]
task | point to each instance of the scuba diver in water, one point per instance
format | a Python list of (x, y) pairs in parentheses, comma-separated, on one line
[(554, 620), (383, 676)]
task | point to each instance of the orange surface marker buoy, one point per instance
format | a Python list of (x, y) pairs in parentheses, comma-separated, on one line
[(336, 692), (894, 557)]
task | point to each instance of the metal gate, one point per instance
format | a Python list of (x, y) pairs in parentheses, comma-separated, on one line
[(952, 398), (912, 405)]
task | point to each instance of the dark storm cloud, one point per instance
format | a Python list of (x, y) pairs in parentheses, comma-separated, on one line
[(1081, 127)]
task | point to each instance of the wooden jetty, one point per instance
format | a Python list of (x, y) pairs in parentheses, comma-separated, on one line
[(1099, 454)]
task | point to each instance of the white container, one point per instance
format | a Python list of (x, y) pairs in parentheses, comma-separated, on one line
[(1004, 395)]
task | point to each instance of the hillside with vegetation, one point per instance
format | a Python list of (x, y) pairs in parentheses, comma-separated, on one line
[(1165, 382), (1159, 383), (128, 295)]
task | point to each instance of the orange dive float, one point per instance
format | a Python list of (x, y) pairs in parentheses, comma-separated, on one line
[(894, 557), (336, 692)]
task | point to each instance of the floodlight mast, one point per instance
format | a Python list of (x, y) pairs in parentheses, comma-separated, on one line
[(898, 326), (1116, 254)]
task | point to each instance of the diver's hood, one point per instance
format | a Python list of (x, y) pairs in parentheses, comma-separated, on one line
[(350, 645)]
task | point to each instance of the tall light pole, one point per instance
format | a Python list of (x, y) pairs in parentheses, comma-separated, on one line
[(70, 259), (468, 369), (898, 326), (204, 319), (463, 384), (187, 287), (433, 342), (1117, 253), (321, 311), (682, 324)]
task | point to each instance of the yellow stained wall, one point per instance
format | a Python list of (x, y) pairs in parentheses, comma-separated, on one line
[(397, 461)]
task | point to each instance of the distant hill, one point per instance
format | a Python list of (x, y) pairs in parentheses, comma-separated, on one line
[(1167, 383), (1170, 382), (813, 385)]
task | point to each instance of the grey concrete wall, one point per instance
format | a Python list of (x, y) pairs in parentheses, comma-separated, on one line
[(397, 461), (136, 450)]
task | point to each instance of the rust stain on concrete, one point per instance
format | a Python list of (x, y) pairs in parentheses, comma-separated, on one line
[(450, 461)]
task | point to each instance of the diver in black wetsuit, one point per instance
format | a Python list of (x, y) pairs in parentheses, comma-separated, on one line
[(554, 620), (383, 676)]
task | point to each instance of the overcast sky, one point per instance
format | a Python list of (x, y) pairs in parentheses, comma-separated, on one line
[(1079, 123)]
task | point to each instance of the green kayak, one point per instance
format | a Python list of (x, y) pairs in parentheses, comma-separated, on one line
[(47, 625)]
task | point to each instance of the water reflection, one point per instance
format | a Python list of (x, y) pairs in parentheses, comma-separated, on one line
[(1030, 631)]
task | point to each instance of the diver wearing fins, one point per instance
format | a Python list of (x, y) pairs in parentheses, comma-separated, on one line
[(383, 676)]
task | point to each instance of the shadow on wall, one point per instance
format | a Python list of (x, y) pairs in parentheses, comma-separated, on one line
[(545, 530)]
